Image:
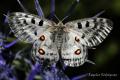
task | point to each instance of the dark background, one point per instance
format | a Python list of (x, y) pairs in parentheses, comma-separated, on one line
[(106, 55)]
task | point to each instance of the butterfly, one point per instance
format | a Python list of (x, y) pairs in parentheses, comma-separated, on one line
[(52, 41)]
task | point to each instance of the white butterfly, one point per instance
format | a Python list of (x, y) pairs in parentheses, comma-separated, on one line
[(52, 41)]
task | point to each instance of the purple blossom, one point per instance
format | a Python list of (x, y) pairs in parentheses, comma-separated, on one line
[(4, 45), (6, 72), (11, 44), (35, 69), (5, 69), (38, 8), (52, 8)]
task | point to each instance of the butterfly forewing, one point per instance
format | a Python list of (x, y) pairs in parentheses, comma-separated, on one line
[(80, 35), (28, 27), (92, 31)]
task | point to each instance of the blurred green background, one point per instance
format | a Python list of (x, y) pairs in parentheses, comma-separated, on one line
[(106, 55)]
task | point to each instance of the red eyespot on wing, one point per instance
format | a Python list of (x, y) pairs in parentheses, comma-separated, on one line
[(41, 51), (42, 38), (77, 39), (78, 51)]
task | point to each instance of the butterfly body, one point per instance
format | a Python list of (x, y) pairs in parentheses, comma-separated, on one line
[(52, 41)]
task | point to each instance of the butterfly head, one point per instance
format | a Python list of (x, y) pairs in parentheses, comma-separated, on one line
[(60, 24)]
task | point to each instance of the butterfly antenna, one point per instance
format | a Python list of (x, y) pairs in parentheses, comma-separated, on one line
[(89, 61), (59, 19), (98, 14), (56, 17), (64, 18)]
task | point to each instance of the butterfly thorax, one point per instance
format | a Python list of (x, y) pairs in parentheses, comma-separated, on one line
[(58, 34), (59, 25)]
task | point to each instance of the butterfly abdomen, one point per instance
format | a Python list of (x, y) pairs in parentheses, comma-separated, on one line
[(59, 39)]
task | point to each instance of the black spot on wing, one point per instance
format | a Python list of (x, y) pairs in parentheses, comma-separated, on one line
[(17, 21), (24, 22), (41, 23), (95, 25), (35, 32), (33, 20), (26, 16), (83, 36), (95, 20), (87, 24), (79, 25), (101, 20)]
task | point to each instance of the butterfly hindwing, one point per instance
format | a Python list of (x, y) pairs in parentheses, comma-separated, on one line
[(73, 53), (92, 31), (44, 49)]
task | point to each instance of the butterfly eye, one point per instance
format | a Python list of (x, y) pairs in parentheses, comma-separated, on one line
[(77, 39), (78, 51), (42, 38), (41, 51)]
